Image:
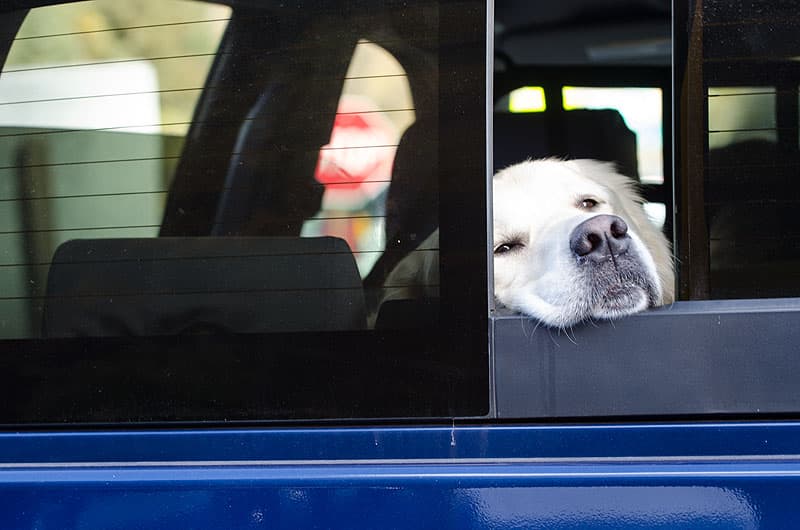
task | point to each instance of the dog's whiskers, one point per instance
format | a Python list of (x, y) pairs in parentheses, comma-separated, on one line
[(572, 339)]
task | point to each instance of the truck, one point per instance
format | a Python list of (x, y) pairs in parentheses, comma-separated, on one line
[(203, 205)]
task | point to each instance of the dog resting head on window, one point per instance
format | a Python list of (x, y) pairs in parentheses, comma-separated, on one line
[(572, 242)]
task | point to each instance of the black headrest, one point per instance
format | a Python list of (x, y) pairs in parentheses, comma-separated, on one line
[(155, 286), (599, 134), (412, 201)]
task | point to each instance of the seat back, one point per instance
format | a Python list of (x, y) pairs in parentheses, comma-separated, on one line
[(599, 134), (155, 286)]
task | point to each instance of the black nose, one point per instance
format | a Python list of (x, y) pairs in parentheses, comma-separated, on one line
[(600, 237)]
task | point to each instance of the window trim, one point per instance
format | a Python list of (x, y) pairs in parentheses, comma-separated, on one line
[(731, 358)]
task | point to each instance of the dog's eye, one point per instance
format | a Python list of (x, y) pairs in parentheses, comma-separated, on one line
[(506, 247), (587, 203)]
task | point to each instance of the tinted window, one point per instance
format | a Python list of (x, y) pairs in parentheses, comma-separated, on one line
[(740, 151), (254, 196), (97, 98)]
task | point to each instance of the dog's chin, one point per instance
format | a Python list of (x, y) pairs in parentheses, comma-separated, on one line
[(595, 302), (619, 301), (620, 288)]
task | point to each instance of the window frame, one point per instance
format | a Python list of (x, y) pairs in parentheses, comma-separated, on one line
[(703, 336), (692, 360)]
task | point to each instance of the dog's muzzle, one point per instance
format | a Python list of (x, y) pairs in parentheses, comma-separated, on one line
[(611, 265)]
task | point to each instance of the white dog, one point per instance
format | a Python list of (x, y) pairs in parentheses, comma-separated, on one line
[(572, 242)]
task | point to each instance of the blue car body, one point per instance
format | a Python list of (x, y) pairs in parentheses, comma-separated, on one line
[(710, 475)]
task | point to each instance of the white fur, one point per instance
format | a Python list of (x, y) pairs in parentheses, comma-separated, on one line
[(537, 204)]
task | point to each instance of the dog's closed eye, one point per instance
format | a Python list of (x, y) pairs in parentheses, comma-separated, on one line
[(510, 246)]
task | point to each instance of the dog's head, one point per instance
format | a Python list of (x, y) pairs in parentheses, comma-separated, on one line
[(572, 242)]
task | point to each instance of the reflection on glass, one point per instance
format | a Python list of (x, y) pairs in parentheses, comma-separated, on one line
[(95, 100), (737, 114), (355, 167)]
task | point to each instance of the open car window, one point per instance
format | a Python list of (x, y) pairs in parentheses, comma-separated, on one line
[(726, 346)]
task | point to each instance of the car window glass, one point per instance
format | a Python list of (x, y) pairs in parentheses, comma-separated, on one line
[(355, 166), (251, 193), (739, 109), (95, 100)]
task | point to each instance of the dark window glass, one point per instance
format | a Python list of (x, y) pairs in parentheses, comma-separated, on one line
[(737, 71), (226, 212)]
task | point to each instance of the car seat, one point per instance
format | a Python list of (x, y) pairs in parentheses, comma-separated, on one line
[(584, 133), (157, 286)]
